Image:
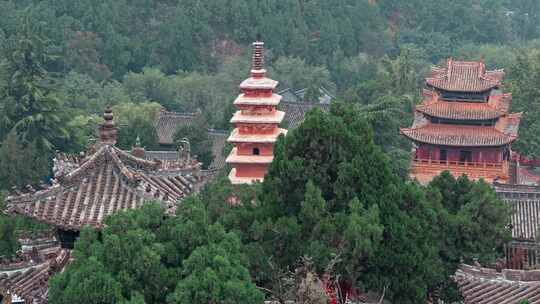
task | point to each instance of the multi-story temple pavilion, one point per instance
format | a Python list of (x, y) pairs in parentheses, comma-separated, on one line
[(463, 125), (256, 124)]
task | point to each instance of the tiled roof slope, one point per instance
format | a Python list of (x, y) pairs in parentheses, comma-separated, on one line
[(29, 283), (218, 138), (108, 181), (295, 112), (487, 286), (465, 76), (463, 135), (524, 202), (497, 106), (168, 122)]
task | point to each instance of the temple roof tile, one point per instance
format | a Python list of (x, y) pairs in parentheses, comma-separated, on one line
[(465, 76), (504, 132)]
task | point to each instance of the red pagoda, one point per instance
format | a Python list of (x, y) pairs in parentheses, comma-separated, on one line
[(463, 125), (256, 124)]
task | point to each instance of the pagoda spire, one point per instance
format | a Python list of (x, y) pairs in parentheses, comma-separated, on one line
[(107, 131), (257, 60), (256, 123)]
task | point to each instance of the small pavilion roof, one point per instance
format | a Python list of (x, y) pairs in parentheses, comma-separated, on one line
[(167, 123), (295, 112), (108, 181), (524, 203), (503, 133), (487, 286), (465, 76)]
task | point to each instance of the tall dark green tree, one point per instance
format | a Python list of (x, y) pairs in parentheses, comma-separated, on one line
[(330, 192), (473, 224), (29, 109), (29, 104)]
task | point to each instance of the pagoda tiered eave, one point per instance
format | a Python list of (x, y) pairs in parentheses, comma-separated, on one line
[(236, 180), (234, 158), (237, 137), (258, 83), (272, 100), (273, 118)]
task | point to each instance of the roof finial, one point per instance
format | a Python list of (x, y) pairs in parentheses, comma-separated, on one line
[(107, 131), (482, 69), (257, 62), (450, 67)]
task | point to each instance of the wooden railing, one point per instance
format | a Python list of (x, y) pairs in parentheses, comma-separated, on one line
[(449, 163), (488, 171)]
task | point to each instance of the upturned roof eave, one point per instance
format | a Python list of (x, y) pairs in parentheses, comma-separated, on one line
[(425, 109), (406, 132), (429, 82)]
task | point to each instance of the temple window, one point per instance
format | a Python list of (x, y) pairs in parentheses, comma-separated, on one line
[(256, 151), (459, 96), (465, 156), (443, 155)]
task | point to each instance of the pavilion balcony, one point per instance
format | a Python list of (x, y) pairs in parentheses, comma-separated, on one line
[(424, 170)]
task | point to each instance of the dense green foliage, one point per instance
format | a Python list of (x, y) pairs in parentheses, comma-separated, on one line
[(144, 257)]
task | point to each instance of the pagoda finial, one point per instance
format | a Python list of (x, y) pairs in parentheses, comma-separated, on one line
[(107, 131), (257, 62)]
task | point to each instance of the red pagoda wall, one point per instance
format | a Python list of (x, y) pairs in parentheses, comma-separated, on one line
[(478, 155), (248, 149), (251, 170)]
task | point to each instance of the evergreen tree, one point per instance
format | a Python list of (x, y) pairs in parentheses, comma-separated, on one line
[(144, 257), (30, 106), (20, 164)]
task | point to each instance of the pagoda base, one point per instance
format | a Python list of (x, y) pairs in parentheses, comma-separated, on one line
[(235, 180), (425, 170)]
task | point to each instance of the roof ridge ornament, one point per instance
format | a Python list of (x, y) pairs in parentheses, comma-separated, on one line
[(108, 131), (481, 68)]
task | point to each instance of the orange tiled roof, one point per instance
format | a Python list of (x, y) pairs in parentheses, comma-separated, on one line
[(460, 110), (484, 285), (504, 132), (465, 76)]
